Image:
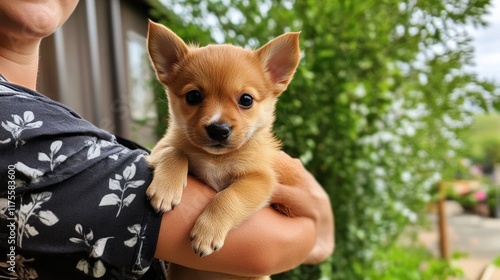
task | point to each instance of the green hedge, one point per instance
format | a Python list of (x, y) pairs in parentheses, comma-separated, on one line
[(373, 110)]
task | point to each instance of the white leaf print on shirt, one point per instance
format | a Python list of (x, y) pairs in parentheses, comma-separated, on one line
[(122, 183), (98, 247), (95, 146), (32, 173), (117, 155), (54, 161), (96, 251), (47, 218), (136, 230), (98, 269), (33, 210), (4, 208), (18, 125), (83, 265)]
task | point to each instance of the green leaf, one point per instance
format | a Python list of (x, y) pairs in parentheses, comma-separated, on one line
[(496, 262)]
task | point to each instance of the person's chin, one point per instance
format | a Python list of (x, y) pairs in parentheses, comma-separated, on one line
[(37, 19)]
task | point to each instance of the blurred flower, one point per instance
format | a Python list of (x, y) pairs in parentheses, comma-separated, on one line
[(480, 196)]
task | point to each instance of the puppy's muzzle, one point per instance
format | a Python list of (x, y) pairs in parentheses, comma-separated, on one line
[(218, 131)]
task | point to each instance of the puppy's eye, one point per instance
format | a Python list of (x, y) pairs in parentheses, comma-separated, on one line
[(246, 101), (193, 97)]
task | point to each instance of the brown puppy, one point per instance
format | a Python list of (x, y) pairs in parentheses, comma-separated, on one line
[(221, 111)]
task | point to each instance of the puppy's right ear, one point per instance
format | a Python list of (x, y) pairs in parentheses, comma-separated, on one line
[(280, 57), (166, 50)]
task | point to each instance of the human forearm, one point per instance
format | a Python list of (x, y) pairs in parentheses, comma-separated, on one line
[(302, 196), (267, 243)]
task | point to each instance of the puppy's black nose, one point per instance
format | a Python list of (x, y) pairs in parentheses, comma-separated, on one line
[(218, 131)]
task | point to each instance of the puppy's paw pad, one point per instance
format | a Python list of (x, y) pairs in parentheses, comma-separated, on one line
[(206, 240), (162, 205), (166, 198)]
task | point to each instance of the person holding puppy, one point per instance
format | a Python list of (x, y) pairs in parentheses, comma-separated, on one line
[(73, 197)]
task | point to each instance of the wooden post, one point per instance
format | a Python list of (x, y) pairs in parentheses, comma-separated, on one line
[(443, 237)]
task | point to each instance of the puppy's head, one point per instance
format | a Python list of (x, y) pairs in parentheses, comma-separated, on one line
[(221, 96)]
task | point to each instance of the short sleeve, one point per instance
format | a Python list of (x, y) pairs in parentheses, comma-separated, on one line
[(74, 206)]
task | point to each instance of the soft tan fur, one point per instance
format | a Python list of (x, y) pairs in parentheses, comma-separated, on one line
[(239, 168)]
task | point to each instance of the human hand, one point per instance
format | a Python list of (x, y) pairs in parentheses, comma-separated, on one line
[(301, 195)]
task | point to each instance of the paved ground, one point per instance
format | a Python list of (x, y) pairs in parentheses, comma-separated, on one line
[(478, 237)]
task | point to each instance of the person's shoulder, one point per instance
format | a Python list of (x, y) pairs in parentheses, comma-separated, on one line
[(17, 95), (27, 115)]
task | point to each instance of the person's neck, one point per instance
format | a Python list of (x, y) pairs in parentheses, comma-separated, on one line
[(19, 63)]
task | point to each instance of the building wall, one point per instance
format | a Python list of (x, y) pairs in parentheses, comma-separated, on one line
[(97, 65)]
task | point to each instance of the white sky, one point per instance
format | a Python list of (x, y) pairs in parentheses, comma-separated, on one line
[(487, 46)]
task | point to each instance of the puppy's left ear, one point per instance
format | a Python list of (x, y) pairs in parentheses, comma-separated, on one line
[(280, 58), (165, 49)]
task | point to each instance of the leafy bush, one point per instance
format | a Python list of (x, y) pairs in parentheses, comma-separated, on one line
[(471, 199), (413, 263), (493, 203), (374, 108), (394, 262)]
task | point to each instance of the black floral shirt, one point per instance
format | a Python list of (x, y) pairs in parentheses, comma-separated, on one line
[(72, 197)]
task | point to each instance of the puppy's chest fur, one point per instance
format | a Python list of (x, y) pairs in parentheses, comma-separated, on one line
[(218, 174)]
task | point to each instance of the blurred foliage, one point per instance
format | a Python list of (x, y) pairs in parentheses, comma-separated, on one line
[(482, 140), (414, 263), (493, 196), (496, 262), (373, 111)]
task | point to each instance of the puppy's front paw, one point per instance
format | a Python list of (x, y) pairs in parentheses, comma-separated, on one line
[(207, 237), (165, 191)]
